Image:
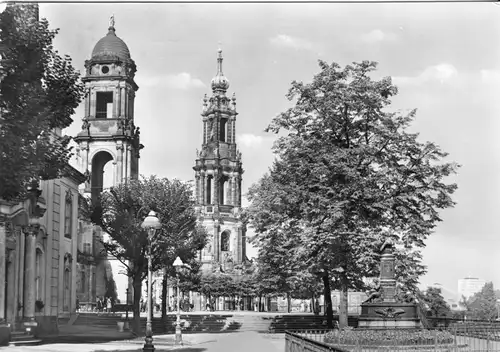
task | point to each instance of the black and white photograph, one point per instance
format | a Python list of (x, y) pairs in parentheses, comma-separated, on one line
[(250, 176)]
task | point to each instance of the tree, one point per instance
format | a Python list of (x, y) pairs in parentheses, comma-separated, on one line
[(435, 302), (120, 213), (483, 304), (347, 176), (40, 90)]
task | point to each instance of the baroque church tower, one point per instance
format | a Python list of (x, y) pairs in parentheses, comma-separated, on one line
[(218, 173), (108, 131), (108, 145)]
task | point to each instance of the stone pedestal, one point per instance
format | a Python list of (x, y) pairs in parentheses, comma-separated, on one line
[(386, 312), (389, 315)]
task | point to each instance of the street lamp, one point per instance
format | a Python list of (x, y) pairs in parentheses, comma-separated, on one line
[(498, 309), (151, 224), (178, 264)]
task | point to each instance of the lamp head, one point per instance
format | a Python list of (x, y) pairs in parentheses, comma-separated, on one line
[(151, 221)]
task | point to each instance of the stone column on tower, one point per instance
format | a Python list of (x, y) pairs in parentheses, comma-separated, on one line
[(30, 271), (197, 185), (215, 183), (119, 162), (202, 187)]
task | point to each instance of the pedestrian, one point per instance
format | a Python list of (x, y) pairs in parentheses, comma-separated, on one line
[(108, 305), (99, 305)]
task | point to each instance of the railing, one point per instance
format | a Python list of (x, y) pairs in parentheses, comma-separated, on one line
[(457, 338), (308, 341)]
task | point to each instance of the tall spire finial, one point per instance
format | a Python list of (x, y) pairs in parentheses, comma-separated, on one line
[(112, 22), (219, 61)]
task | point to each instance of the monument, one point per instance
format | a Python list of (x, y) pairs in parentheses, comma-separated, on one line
[(383, 309)]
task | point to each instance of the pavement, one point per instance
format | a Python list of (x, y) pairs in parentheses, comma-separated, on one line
[(88, 341)]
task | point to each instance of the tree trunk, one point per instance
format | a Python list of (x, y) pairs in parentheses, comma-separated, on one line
[(312, 306), (288, 302), (260, 303), (328, 301), (137, 284), (343, 313), (164, 295)]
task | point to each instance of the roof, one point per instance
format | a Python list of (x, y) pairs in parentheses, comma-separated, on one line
[(111, 45)]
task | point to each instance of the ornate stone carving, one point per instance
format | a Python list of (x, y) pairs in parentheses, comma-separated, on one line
[(31, 230), (390, 312), (69, 196), (86, 125)]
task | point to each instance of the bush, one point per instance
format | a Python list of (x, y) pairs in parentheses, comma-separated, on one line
[(384, 337)]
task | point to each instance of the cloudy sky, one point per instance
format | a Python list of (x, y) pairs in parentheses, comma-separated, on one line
[(444, 57)]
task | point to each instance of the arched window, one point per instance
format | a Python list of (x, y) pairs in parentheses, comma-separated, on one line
[(224, 241), (223, 130), (68, 210)]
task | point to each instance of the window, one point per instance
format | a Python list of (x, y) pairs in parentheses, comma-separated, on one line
[(222, 130), (68, 216), (223, 190), (209, 189), (104, 106), (224, 241)]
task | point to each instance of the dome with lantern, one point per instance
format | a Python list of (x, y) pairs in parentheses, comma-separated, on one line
[(111, 45)]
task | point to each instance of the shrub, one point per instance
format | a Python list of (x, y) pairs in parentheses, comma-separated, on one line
[(383, 337)]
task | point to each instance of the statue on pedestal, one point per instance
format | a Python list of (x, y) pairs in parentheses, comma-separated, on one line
[(375, 293)]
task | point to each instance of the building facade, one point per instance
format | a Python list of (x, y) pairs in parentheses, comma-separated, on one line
[(38, 239), (468, 286), (218, 173), (108, 148)]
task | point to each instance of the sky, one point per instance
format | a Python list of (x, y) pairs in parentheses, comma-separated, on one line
[(444, 58)]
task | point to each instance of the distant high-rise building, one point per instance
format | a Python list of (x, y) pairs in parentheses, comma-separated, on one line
[(468, 286)]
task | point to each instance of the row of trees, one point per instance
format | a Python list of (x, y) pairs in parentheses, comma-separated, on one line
[(483, 305), (348, 175)]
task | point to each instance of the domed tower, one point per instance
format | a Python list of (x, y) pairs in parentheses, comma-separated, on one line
[(108, 131), (218, 173)]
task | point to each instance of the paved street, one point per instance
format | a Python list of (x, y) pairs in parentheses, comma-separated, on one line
[(243, 341)]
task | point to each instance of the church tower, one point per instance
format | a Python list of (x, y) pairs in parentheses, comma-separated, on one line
[(108, 144), (108, 132), (218, 173)]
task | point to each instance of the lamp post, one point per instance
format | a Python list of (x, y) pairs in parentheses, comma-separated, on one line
[(178, 264), (151, 224), (498, 309)]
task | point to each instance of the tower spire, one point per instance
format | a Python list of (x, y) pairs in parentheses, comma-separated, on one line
[(220, 83), (219, 63)]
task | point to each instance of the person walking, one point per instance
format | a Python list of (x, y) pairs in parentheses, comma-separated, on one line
[(108, 305)]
